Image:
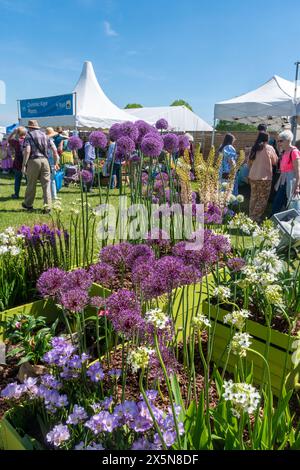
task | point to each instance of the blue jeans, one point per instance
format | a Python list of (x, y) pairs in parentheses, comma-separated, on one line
[(280, 199), (117, 168), (18, 180)]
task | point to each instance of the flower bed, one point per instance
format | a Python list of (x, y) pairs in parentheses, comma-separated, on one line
[(278, 354)]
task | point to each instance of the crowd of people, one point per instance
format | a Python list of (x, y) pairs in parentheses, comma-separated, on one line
[(272, 168)]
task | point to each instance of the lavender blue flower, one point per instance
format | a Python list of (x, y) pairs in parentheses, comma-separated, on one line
[(78, 415), (102, 422), (95, 372), (58, 435)]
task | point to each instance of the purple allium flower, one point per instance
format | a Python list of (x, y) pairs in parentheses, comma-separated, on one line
[(98, 139), (139, 270), (77, 416), (122, 300), (114, 132), (77, 279), (135, 158), (75, 143), (162, 124), (143, 129), (137, 253), (125, 145), (171, 143), (102, 273), (183, 142), (13, 390), (116, 255), (74, 300), (213, 215), (236, 264), (58, 435), (50, 282), (128, 129), (221, 244), (127, 322), (102, 422), (86, 176), (95, 372), (97, 301), (152, 145)]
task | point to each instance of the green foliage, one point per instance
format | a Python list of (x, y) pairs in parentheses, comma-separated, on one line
[(181, 103), (231, 126), (133, 106), (30, 335)]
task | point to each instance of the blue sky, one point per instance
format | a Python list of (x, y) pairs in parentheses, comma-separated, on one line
[(150, 52)]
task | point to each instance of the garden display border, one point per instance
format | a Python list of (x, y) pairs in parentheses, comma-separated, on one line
[(279, 356)]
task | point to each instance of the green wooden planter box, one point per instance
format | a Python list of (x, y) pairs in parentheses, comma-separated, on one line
[(279, 356), (10, 439)]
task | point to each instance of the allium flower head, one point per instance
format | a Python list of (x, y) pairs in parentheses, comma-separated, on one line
[(237, 318), (171, 144), (268, 261), (102, 273), (236, 264), (128, 129), (157, 318), (125, 145), (273, 294), (86, 176), (50, 282), (240, 344), (77, 279), (115, 132), (241, 222), (201, 322), (75, 143), (183, 142), (162, 124), (98, 139), (152, 145), (74, 300), (139, 358), (244, 397), (222, 292), (240, 198)]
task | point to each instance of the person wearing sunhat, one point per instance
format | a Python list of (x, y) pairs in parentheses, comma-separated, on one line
[(36, 165), (53, 158)]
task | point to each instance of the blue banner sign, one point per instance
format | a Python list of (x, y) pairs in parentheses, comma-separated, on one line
[(45, 107)]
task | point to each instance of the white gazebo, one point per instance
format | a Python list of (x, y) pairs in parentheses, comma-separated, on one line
[(180, 118), (92, 108), (274, 103)]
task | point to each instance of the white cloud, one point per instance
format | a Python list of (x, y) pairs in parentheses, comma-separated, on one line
[(109, 31)]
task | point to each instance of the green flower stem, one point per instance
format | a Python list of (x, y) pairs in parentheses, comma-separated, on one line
[(168, 387), (150, 410)]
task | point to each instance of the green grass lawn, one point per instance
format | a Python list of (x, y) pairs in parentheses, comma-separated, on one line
[(12, 214)]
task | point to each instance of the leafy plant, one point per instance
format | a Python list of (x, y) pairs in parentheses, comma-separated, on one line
[(30, 335)]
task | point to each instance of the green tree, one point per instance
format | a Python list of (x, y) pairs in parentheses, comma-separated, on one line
[(231, 126), (182, 103), (133, 105)]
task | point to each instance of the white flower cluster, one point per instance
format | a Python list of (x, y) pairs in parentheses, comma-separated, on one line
[(201, 322), (10, 242), (240, 344), (296, 353), (237, 318), (267, 235), (239, 198), (268, 261), (241, 222), (139, 358), (157, 318), (222, 292), (273, 295), (244, 397)]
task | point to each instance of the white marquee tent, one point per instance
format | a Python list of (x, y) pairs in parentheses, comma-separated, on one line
[(180, 118), (93, 108), (274, 99)]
